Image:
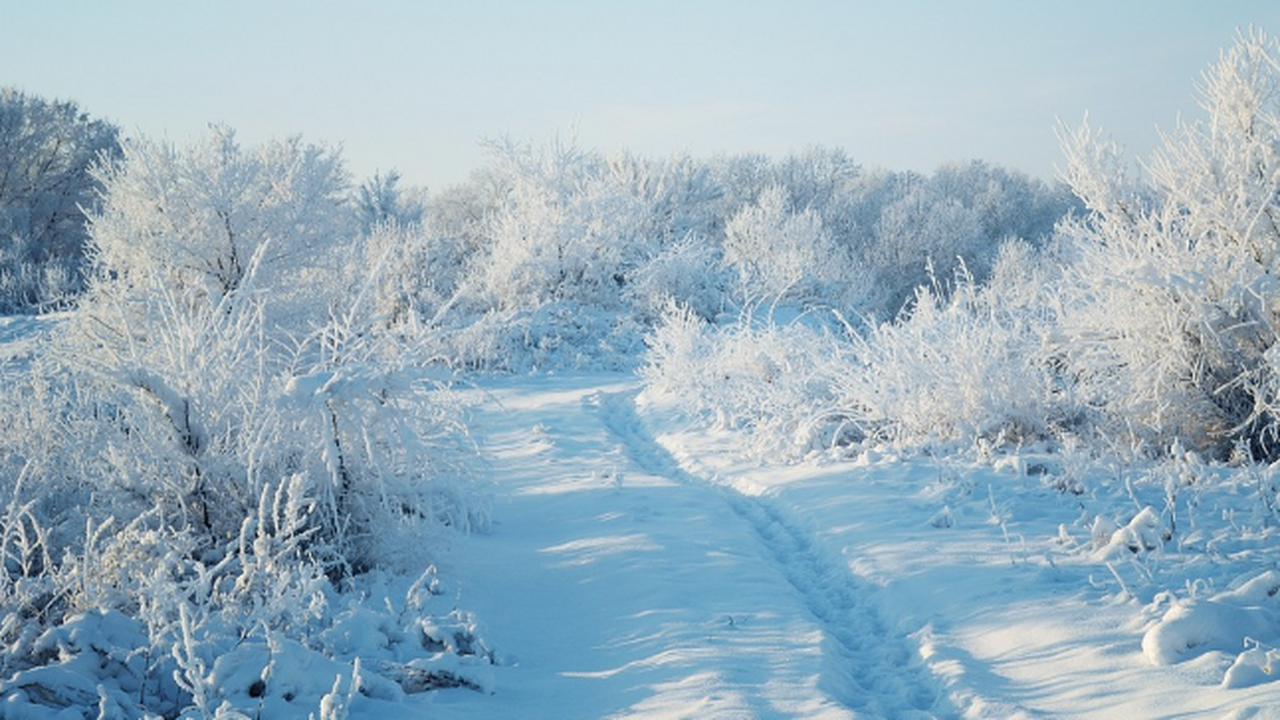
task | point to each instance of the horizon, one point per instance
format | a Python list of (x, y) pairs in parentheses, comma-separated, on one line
[(415, 87)]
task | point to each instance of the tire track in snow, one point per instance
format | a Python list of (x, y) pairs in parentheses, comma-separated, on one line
[(875, 671)]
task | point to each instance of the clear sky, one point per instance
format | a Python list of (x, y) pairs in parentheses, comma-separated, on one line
[(414, 85)]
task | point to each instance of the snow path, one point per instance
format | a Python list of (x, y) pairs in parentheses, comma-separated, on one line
[(970, 562), (639, 566), (615, 584), (883, 673)]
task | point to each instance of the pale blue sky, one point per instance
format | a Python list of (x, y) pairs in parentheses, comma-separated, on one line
[(414, 85)]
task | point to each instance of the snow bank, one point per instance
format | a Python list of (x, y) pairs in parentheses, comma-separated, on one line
[(1246, 617)]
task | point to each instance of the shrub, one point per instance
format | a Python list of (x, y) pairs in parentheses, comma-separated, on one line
[(1169, 318), (197, 220), (960, 366), (217, 443), (780, 255), (770, 378)]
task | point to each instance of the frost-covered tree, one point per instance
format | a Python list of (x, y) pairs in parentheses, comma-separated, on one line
[(1007, 203), (559, 234), (571, 224), (557, 247), (1171, 322), (681, 220), (380, 201), (47, 149), (690, 272), (918, 232), (201, 218), (824, 181), (900, 224), (420, 267), (679, 195)]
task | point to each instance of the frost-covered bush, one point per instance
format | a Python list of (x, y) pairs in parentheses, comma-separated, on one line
[(823, 180), (961, 365), (213, 408), (895, 224), (552, 336), (680, 196), (560, 226), (218, 445), (780, 255), (563, 231), (689, 271), (1007, 203), (769, 377), (1170, 318), (921, 232), (380, 200), (199, 219), (573, 225), (568, 252), (419, 272), (231, 351)]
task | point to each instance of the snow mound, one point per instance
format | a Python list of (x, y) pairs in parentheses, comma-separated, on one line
[(96, 659), (1247, 616), (1196, 626), (1144, 533), (1254, 666)]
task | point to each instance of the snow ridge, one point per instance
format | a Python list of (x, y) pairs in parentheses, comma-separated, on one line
[(872, 669)]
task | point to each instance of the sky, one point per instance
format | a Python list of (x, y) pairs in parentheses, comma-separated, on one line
[(416, 85)]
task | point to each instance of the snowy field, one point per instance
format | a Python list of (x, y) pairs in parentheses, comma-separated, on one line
[(637, 567)]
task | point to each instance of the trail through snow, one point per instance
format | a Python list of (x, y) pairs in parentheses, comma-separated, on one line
[(615, 584), (881, 671), (638, 567)]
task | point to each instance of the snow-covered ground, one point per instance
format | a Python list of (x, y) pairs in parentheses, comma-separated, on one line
[(638, 567), (615, 584), (19, 335)]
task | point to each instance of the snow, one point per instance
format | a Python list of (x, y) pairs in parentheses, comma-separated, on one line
[(639, 565), (21, 334), (608, 589)]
